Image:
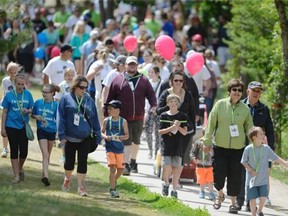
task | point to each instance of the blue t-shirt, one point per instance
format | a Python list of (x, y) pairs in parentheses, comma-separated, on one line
[(14, 117), (48, 111), (114, 128)]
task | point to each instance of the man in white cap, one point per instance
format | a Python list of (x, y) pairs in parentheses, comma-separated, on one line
[(132, 88)]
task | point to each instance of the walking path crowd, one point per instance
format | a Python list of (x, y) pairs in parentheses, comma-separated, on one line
[(96, 87)]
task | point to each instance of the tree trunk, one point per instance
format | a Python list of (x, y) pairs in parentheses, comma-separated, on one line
[(102, 12), (281, 7), (110, 10)]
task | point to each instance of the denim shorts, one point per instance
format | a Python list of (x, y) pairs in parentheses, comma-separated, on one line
[(257, 191), (174, 161), (41, 134)]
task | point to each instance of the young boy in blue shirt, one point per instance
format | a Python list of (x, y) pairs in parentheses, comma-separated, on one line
[(114, 131), (255, 159)]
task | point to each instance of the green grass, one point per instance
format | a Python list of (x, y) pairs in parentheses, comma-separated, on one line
[(31, 197), (280, 173)]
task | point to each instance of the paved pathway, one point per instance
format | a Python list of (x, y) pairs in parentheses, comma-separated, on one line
[(189, 193)]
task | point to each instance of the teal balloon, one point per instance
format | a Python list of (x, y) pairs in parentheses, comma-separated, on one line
[(39, 53)]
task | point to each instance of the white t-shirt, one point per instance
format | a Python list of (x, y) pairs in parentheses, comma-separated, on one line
[(55, 69), (110, 77), (200, 77), (164, 73), (64, 89), (101, 76), (7, 85)]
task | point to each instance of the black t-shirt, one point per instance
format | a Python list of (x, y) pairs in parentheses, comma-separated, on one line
[(172, 144)]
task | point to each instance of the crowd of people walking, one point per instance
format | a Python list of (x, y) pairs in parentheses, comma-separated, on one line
[(94, 85)]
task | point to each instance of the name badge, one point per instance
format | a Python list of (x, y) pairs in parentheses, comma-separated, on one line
[(234, 132), (76, 119), (115, 138), (252, 182)]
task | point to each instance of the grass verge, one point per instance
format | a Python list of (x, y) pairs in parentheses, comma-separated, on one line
[(31, 197)]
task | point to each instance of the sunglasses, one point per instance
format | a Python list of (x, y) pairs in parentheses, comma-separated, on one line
[(46, 92), (236, 89), (178, 80), (83, 87)]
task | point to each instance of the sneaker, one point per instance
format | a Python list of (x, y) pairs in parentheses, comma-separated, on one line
[(4, 153), (268, 202), (16, 181), (134, 168), (126, 171), (260, 214), (22, 176), (66, 185), (62, 159), (201, 195), (45, 181), (165, 190), (211, 196), (150, 154), (114, 194), (82, 192), (238, 206), (174, 194)]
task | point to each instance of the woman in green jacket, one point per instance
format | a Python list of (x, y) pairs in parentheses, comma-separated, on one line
[(228, 123)]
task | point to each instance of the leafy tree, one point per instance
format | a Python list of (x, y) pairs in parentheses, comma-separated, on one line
[(12, 9)]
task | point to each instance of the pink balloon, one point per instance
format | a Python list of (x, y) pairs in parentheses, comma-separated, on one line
[(194, 63), (165, 46), (130, 43), (55, 52)]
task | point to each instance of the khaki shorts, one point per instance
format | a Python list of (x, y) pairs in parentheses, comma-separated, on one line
[(115, 159), (135, 131), (174, 161)]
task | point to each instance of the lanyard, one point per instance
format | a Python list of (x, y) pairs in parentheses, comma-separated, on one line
[(257, 162), (44, 110), (110, 126), (19, 105), (79, 103)]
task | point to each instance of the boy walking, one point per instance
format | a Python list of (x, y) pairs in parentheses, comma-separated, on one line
[(173, 128), (204, 169), (255, 159), (114, 131)]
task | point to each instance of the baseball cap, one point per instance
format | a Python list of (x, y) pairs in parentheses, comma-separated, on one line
[(197, 37), (254, 85), (131, 59), (94, 34), (114, 103), (66, 47), (120, 60)]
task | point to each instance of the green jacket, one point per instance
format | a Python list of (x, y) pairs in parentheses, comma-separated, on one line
[(221, 118)]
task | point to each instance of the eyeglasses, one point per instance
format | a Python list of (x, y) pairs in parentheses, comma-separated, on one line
[(236, 89), (83, 87), (46, 92), (178, 80)]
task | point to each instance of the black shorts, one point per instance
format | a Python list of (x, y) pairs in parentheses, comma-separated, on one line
[(41, 134)]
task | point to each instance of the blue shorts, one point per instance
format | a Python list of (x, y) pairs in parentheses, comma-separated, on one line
[(256, 192), (41, 134)]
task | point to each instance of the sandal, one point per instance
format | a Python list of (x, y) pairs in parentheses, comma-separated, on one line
[(233, 209), (218, 202)]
